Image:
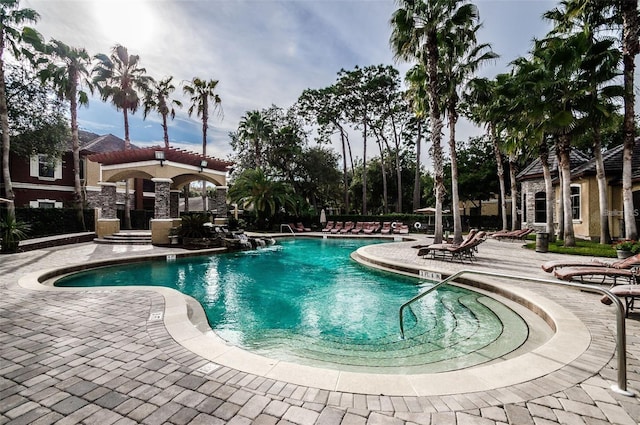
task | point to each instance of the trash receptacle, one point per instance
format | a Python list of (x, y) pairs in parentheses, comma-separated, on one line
[(542, 242)]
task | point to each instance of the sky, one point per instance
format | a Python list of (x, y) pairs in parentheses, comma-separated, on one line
[(262, 52)]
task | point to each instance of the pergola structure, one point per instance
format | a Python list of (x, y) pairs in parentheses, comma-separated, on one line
[(170, 169)]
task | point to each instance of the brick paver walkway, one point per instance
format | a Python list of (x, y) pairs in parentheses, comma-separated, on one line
[(102, 357)]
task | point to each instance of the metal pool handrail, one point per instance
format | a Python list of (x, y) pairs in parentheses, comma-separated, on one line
[(621, 333), (288, 227)]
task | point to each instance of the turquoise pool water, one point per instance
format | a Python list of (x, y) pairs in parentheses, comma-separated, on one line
[(305, 300)]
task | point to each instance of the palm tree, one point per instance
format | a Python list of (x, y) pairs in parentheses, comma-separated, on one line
[(630, 48), (461, 57), (157, 98), (120, 78), (481, 103), (68, 70), (253, 189), (200, 92), (13, 36), (599, 67), (416, 29), (416, 93), (255, 129)]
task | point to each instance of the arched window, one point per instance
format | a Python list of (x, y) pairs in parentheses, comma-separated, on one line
[(541, 207)]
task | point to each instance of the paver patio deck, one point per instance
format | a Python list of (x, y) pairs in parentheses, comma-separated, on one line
[(106, 357)]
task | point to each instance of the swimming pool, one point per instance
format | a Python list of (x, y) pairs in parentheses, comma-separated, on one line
[(305, 301)]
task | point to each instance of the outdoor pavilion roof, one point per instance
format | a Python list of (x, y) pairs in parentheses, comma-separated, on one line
[(170, 154)]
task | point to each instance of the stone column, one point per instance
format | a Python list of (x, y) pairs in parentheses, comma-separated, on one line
[(162, 201), (174, 203), (108, 200), (108, 223), (162, 223), (220, 202)]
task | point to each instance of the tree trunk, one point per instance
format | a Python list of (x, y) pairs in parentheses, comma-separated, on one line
[(565, 165), (629, 9), (396, 140), (514, 192), (344, 170), (416, 181), (455, 199), (127, 201), (78, 201), (6, 141), (186, 192), (385, 204), (165, 130), (605, 236), (364, 167), (436, 130), (500, 172), (205, 126)]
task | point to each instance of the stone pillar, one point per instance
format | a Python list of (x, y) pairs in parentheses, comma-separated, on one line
[(108, 200), (162, 223), (108, 223), (220, 201), (174, 203), (162, 201)]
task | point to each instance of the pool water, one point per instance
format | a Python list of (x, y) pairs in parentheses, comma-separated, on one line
[(304, 300)]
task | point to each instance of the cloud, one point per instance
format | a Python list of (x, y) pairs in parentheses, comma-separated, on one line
[(263, 52)]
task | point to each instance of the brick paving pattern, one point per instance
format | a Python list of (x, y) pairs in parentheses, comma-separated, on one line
[(100, 357)]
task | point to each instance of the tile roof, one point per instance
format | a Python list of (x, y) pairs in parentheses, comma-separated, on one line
[(148, 154), (534, 169), (105, 143), (612, 159)]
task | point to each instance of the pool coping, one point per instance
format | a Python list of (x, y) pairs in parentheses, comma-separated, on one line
[(185, 321)]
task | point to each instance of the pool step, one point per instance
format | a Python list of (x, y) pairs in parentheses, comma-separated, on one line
[(136, 237)]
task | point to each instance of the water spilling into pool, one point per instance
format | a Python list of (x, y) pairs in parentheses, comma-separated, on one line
[(304, 300)]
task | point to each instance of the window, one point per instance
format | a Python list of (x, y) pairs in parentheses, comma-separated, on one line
[(46, 204), (540, 207), (575, 202), (45, 167)]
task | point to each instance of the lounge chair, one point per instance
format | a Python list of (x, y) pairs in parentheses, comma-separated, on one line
[(465, 250), (371, 227), (424, 249), (604, 273), (386, 228), (337, 227), (294, 228), (514, 235), (359, 227), (626, 263), (401, 229), (348, 226), (301, 228), (628, 292), (328, 226)]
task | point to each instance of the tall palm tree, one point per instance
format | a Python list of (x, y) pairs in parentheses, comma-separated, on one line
[(13, 36), (416, 93), (120, 78), (416, 29), (67, 69), (158, 98), (201, 92), (255, 129), (480, 99), (599, 67), (461, 58), (630, 48)]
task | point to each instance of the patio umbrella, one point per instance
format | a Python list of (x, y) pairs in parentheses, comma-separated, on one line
[(323, 217)]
